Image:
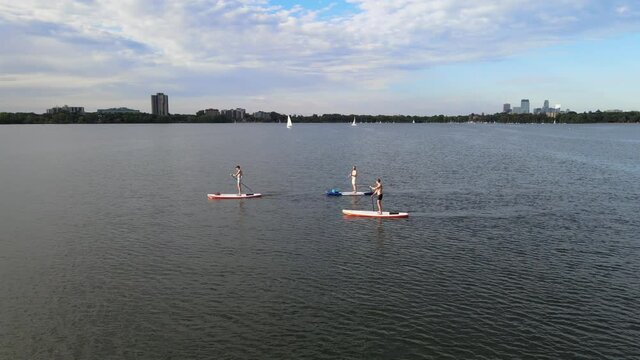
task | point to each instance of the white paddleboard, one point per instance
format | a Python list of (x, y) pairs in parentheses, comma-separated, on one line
[(218, 196), (351, 193), (385, 214)]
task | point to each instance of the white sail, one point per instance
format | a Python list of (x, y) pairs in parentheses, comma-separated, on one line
[(289, 123), (354, 122)]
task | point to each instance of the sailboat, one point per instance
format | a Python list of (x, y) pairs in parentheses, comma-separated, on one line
[(289, 123), (354, 122)]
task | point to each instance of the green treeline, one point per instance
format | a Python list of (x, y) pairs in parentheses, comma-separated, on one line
[(570, 117), (95, 118), (200, 117)]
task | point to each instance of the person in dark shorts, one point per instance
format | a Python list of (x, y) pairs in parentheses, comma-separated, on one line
[(377, 191)]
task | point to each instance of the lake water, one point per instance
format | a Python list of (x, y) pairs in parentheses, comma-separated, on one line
[(523, 242)]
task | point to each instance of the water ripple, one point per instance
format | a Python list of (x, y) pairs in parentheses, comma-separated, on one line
[(522, 243)]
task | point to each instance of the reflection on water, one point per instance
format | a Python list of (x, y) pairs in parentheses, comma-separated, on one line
[(379, 233)]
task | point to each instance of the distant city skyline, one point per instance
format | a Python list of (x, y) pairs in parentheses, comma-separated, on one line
[(525, 108), (415, 57)]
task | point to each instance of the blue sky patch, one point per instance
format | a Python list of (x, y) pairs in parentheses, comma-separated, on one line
[(329, 8)]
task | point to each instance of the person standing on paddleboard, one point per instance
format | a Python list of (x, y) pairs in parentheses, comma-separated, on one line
[(377, 191), (238, 176), (354, 175)]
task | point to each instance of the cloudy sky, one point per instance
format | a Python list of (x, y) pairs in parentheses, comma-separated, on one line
[(414, 57)]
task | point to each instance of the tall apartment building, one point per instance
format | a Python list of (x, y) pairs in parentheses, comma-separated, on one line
[(524, 106), (160, 104), (506, 108)]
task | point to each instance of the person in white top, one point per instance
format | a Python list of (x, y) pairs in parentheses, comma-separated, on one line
[(238, 176)]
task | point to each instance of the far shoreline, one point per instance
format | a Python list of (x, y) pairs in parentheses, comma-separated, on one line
[(597, 117)]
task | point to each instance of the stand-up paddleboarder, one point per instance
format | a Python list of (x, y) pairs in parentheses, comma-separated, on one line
[(377, 191), (353, 175), (238, 176)]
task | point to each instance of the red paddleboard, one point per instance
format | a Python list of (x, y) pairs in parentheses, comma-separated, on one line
[(375, 214), (218, 196)]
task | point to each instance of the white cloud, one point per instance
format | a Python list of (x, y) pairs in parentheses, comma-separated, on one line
[(171, 44)]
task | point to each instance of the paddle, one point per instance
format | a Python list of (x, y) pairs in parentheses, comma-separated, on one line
[(361, 185), (372, 208), (243, 184), (366, 192)]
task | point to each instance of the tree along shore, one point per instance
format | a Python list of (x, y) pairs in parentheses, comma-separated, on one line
[(144, 118)]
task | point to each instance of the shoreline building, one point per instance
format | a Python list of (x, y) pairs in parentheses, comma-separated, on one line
[(120, 110), (262, 115), (66, 109), (160, 104), (212, 112), (234, 114)]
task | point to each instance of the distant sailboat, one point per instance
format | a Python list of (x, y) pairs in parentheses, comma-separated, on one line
[(354, 122), (289, 123)]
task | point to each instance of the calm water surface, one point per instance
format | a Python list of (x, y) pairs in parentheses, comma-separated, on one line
[(523, 242)]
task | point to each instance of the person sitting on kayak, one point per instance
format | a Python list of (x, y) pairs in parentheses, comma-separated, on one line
[(238, 176), (354, 175), (377, 190)]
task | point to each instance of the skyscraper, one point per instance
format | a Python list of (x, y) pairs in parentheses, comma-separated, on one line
[(524, 106), (545, 107), (160, 104), (506, 108)]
